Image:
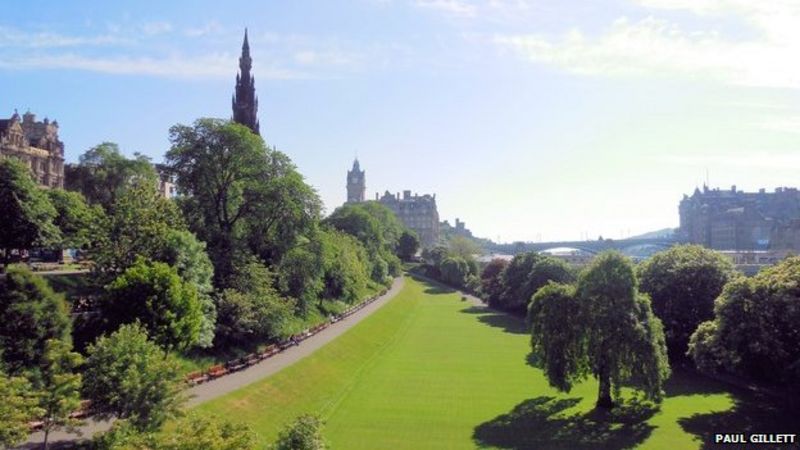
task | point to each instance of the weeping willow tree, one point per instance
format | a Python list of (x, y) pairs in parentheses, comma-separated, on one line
[(602, 327)]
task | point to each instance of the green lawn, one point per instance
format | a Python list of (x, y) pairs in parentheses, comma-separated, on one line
[(429, 371)]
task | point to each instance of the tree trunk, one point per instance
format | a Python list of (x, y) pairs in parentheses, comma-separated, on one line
[(46, 434), (604, 392)]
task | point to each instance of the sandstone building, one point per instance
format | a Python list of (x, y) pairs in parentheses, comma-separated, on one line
[(736, 220), (245, 102), (356, 184), (35, 143), (417, 212)]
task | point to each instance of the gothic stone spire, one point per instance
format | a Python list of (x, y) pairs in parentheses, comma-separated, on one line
[(245, 102)]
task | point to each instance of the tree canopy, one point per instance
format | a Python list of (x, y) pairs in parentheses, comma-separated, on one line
[(754, 332), (129, 377), (27, 212), (683, 283), (605, 328)]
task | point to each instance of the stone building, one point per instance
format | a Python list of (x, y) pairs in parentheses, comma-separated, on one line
[(245, 102), (356, 184), (736, 220), (417, 212), (35, 143)]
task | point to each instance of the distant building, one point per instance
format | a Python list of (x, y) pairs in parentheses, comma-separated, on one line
[(417, 212), (245, 102), (459, 230), (166, 181), (356, 184), (37, 144), (736, 220)]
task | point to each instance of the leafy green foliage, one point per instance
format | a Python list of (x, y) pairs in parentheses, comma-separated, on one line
[(129, 377), (454, 271), (625, 340), (345, 266), (31, 315), (75, 218), (192, 432), (60, 389), (754, 332), (492, 281), (683, 283), (301, 274), (138, 225), (27, 212), (407, 245), (305, 433), (17, 408), (251, 310), (239, 193), (155, 296), (558, 338), (188, 255), (516, 291), (103, 173)]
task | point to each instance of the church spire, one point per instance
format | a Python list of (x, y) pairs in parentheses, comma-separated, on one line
[(245, 102)]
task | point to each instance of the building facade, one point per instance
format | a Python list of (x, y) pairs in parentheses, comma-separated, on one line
[(417, 212), (356, 184), (736, 220), (36, 144), (245, 102)]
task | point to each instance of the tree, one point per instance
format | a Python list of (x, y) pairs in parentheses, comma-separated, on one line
[(76, 220), (463, 247), (251, 310), (17, 409), (407, 245), (516, 290), (188, 256), (305, 433), (545, 270), (103, 173), (454, 271), (60, 393), (129, 377), (345, 266), (187, 433), (32, 314), (754, 331), (300, 274), (27, 213), (683, 283), (238, 192), (607, 329), (155, 296), (492, 281), (138, 225)]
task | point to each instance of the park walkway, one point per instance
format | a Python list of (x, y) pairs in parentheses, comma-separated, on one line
[(233, 381)]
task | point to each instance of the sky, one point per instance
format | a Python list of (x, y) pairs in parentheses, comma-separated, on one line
[(529, 119)]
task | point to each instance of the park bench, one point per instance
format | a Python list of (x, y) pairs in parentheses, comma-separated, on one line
[(217, 371)]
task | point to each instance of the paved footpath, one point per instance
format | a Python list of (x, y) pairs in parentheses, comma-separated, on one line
[(231, 382)]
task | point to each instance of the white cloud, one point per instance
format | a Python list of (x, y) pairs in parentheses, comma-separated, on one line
[(156, 28), (13, 37), (209, 28), (654, 46), (459, 8), (207, 66)]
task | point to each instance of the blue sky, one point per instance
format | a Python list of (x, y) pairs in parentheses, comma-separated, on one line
[(530, 120)]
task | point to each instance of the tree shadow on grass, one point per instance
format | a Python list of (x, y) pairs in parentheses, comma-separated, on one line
[(507, 322), (752, 412), (539, 423)]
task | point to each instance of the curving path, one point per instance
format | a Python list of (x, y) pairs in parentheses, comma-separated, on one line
[(228, 383)]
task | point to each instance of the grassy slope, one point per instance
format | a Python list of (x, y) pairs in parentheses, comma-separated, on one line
[(429, 371)]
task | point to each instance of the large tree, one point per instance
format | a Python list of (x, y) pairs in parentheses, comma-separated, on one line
[(155, 296), (31, 315), (516, 290), (17, 409), (129, 377), (77, 220), (683, 283), (60, 388), (137, 226), (103, 173), (492, 281), (407, 245), (755, 331), (27, 212), (238, 192), (606, 328)]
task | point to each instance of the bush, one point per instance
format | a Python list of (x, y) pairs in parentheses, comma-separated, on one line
[(305, 433)]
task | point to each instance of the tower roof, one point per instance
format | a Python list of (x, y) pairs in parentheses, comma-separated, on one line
[(245, 102)]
